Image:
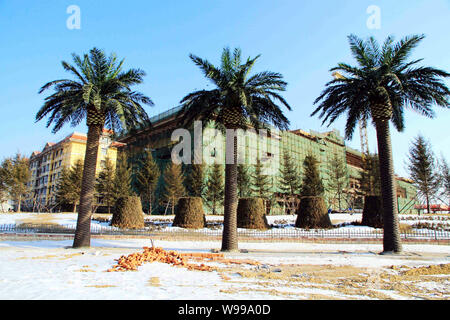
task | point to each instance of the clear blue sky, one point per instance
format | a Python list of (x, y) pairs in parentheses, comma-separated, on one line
[(300, 39)]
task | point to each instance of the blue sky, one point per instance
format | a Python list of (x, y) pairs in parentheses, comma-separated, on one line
[(300, 39)]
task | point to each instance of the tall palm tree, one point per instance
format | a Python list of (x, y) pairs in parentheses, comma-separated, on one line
[(101, 93), (384, 83), (238, 101)]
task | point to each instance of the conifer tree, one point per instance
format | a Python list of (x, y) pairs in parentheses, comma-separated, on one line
[(16, 175), (312, 183), (445, 178), (261, 182), (105, 184), (19, 177), (370, 176), (243, 181), (289, 182), (337, 177), (122, 178), (3, 186), (173, 185), (422, 169), (68, 188), (215, 187), (5, 180), (146, 179), (195, 180)]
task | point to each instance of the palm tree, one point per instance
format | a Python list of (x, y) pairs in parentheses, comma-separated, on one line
[(384, 83), (238, 101), (100, 93)]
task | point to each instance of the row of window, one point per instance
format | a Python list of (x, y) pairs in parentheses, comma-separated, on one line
[(46, 158), (45, 179)]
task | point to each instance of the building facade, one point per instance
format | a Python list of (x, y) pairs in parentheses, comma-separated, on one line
[(46, 165), (270, 148)]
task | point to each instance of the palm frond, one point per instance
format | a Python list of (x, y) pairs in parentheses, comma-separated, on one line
[(99, 83)]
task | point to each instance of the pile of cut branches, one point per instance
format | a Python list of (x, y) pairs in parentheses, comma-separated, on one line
[(134, 260)]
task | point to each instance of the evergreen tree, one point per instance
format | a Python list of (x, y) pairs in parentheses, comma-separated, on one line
[(422, 169), (105, 184), (4, 180), (261, 182), (122, 178), (289, 182), (215, 187), (337, 177), (17, 176), (312, 183), (243, 181), (146, 179), (445, 178), (3, 186), (68, 188), (195, 180), (370, 176), (173, 185)]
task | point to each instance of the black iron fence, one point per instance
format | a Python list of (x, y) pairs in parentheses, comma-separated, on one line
[(290, 233)]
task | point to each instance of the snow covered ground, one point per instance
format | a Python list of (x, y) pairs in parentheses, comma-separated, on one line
[(52, 270)]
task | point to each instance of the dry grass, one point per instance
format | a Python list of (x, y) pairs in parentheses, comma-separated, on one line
[(100, 286), (405, 228), (84, 270), (154, 282), (38, 219), (343, 281), (52, 256)]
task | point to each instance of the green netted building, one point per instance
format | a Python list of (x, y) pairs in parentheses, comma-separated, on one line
[(298, 143)]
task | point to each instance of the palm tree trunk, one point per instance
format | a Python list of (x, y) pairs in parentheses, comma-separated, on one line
[(391, 238), (83, 230), (229, 237)]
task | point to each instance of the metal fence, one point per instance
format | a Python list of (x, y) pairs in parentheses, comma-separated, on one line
[(289, 233)]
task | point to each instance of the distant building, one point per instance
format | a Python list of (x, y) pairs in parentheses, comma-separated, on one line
[(6, 205), (46, 165), (299, 143)]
